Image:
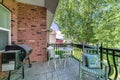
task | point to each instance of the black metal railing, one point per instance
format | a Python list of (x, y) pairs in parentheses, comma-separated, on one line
[(112, 57), (108, 55)]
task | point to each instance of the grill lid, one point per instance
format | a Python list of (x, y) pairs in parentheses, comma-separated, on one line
[(23, 47), (27, 48)]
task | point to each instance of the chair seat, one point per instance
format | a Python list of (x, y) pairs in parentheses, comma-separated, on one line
[(96, 71), (57, 56), (67, 54)]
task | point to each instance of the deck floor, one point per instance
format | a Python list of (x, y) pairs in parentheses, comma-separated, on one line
[(43, 71)]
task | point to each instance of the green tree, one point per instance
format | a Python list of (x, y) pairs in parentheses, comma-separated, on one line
[(90, 21)]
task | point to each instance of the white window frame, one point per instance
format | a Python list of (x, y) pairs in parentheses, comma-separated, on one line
[(4, 29)]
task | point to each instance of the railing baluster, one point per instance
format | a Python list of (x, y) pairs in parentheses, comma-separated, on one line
[(108, 61), (115, 66), (101, 55)]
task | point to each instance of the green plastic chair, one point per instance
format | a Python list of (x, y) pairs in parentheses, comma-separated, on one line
[(90, 64)]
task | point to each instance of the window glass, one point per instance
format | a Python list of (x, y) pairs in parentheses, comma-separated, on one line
[(3, 39), (5, 20)]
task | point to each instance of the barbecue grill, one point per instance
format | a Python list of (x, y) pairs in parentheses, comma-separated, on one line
[(25, 51)]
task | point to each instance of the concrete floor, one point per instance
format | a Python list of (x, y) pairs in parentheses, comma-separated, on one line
[(43, 71)]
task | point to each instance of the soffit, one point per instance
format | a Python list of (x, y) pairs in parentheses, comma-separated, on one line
[(33, 2), (51, 5)]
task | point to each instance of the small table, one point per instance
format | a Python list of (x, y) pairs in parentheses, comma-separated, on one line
[(67, 53), (66, 50)]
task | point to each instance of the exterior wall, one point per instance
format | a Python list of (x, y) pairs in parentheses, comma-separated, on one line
[(31, 29), (50, 16), (52, 37), (59, 41), (28, 25)]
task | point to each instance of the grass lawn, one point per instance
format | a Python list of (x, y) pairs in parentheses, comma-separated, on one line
[(76, 53)]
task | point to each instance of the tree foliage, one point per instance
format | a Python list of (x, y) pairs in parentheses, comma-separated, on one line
[(90, 21)]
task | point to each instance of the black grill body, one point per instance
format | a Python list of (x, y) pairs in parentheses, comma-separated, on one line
[(25, 49)]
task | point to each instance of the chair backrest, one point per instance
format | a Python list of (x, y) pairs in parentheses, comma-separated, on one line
[(90, 56), (90, 49), (51, 52)]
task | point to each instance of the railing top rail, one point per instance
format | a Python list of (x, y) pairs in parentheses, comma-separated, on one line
[(81, 45), (110, 49)]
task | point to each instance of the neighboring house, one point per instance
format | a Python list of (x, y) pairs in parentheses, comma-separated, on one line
[(59, 41), (59, 37), (52, 37), (55, 34)]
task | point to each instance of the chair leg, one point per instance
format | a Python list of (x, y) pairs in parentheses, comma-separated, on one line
[(49, 62), (60, 61), (98, 78), (80, 75), (69, 59), (65, 62), (80, 72), (54, 62)]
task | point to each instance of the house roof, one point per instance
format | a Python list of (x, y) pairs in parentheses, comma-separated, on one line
[(54, 27)]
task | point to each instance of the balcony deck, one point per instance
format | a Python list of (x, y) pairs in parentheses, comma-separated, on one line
[(41, 71)]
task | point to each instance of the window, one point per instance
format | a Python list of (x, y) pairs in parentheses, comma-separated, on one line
[(5, 25)]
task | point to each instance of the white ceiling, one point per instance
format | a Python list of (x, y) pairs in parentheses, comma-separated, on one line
[(33, 2)]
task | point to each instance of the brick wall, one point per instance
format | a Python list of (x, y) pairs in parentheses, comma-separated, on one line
[(31, 29), (28, 26)]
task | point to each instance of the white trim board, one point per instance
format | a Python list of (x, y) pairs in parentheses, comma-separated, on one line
[(33, 2)]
